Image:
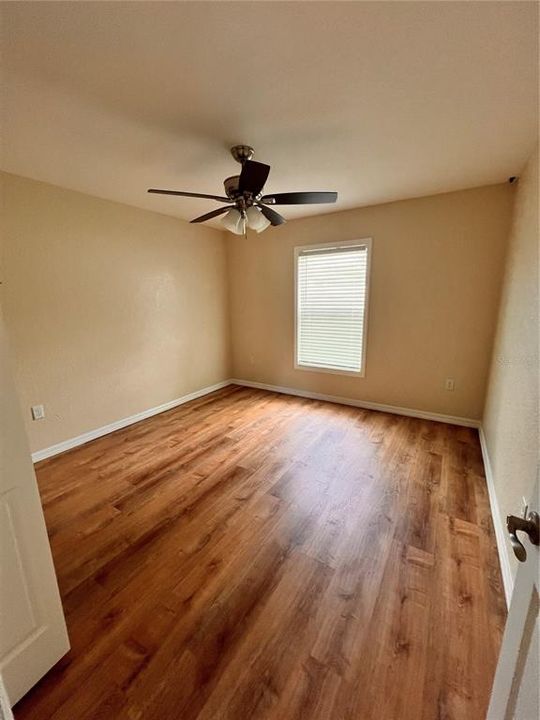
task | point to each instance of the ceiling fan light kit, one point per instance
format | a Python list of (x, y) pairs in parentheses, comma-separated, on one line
[(256, 220), (246, 205), (234, 222), (237, 221)]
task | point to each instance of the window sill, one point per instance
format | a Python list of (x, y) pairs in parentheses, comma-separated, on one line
[(332, 371)]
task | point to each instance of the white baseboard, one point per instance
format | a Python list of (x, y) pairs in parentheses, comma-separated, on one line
[(124, 422), (500, 532), (119, 424), (366, 405), (5, 709)]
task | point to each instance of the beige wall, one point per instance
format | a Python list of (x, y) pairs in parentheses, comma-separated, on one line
[(435, 277), (511, 413), (111, 310)]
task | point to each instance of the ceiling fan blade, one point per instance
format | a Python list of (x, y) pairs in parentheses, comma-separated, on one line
[(212, 214), (253, 176), (274, 217), (189, 194), (300, 198)]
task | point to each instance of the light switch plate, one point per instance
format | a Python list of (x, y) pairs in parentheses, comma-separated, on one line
[(38, 412)]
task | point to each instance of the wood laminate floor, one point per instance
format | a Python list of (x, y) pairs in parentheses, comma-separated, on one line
[(252, 555)]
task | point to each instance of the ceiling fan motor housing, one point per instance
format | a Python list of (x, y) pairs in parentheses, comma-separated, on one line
[(242, 200), (241, 153), (231, 186)]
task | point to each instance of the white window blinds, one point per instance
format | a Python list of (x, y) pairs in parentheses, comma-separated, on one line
[(331, 307)]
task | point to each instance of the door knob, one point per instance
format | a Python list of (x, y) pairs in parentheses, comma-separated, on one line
[(529, 525)]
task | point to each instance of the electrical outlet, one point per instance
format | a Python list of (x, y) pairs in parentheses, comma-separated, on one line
[(449, 384), (38, 412)]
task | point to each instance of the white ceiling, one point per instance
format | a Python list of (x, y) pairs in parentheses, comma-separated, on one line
[(377, 100)]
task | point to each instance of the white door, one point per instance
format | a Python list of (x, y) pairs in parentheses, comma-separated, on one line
[(515, 693), (33, 635)]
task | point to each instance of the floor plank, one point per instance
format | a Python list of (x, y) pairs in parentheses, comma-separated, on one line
[(255, 555)]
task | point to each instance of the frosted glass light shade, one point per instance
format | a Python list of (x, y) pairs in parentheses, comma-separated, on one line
[(256, 220), (234, 222)]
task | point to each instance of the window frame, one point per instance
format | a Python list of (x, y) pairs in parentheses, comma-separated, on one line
[(362, 242)]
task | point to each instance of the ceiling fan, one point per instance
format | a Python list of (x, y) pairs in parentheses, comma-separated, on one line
[(246, 205)]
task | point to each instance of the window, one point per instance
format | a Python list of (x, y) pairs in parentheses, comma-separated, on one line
[(331, 304)]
